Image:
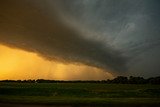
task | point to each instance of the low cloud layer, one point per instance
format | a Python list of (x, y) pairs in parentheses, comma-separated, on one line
[(119, 35), (34, 26)]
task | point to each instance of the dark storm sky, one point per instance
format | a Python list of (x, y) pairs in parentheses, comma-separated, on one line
[(120, 35)]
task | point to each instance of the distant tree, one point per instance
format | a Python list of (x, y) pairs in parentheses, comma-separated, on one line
[(40, 81), (136, 80), (120, 79), (155, 80), (117, 80), (19, 81)]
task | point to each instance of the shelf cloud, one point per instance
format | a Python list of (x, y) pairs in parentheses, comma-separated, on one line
[(117, 35)]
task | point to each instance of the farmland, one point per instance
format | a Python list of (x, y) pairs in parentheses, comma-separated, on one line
[(90, 94)]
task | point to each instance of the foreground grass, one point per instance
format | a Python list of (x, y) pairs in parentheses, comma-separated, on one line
[(80, 93)]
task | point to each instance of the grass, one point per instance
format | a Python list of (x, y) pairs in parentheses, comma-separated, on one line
[(80, 93)]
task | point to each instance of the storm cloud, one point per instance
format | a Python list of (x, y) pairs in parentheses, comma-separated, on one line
[(118, 35)]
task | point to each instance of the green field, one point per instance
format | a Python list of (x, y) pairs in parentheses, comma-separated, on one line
[(80, 94)]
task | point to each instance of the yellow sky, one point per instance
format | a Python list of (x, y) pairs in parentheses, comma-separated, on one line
[(18, 64)]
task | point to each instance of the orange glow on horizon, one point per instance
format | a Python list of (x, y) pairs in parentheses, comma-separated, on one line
[(18, 64)]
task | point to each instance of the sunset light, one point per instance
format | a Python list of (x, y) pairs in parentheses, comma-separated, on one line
[(19, 64), (80, 53)]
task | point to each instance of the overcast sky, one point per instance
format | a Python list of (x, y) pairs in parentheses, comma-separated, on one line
[(120, 35)]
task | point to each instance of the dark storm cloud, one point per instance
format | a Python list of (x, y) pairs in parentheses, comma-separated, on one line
[(132, 26), (103, 33), (36, 26)]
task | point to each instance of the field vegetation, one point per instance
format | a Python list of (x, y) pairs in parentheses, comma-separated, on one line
[(70, 93)]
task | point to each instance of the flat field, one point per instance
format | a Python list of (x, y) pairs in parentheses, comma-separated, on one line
[(80, 94)]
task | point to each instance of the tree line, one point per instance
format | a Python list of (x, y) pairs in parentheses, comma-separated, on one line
[(117, 80)]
